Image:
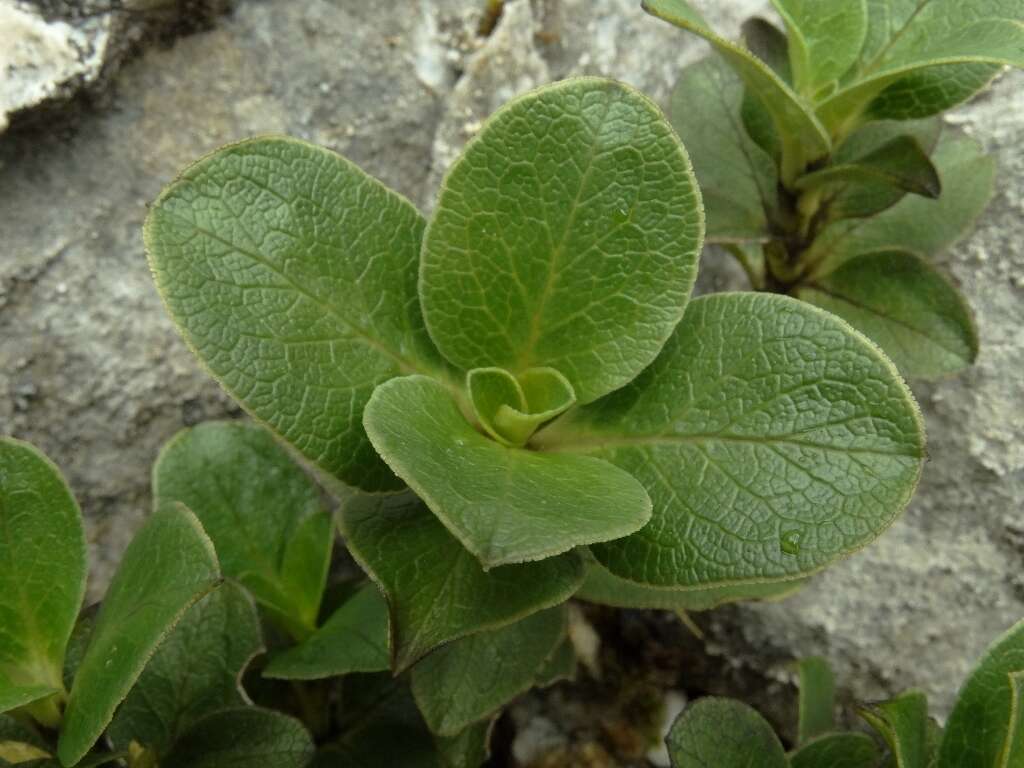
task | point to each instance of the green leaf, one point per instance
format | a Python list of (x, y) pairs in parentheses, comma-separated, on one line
[(605, 588), (79, 642), (768, 43), (917, 224), (836, 750), (505, 505), (467, 680), (723, 733), (437, 590), (866, 197), (1012, 753), (261, 510), (12, 729), (469, 749), (245, 736), (944, 34), (353, 639), (195, 671), (292, 275), (803, 137), (380, 726), (817, 698), (979, 728), (42, 573), (930, 91), (169, 565), (909, 308), (772, 438), (511, 408), (903, 723), (863, 187), (825, 39), (565, 236), (560, 666), (738, 179)]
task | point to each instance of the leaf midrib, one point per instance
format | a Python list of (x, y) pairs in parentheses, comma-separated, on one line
[(526, 356), (599, 442)]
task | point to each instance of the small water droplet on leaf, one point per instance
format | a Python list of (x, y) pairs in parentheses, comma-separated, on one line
[(790, 542)]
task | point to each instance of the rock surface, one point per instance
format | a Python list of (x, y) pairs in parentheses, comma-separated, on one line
[(92, 371)]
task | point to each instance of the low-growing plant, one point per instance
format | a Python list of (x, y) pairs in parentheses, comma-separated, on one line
[(984, 730), (513, 403), (823, 164)]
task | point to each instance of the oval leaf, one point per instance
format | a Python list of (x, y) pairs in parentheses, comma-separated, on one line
[(292, 275), (246, 736), (605, 588), (910, 309), (436, 589), (42, 573), (917, 224), (723, 733), (353, 639), (257, 505), (505, 505), (565, 236), (947, 35), (903, 723), (804, 139), (465, 681), (169, 565), (979, 728), (738, 180), (825, 39), (817, 698), (771, 436), (196, 670), (837, 750)]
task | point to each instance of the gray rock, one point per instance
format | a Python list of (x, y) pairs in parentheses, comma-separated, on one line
[(92, 371)]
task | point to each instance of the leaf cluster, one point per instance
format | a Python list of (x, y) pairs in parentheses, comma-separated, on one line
[(824, 166), (984, 730)]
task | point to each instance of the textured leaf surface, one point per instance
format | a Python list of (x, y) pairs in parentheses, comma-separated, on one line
[(169, 565), (910, 309), (817, 698), (195, 671), (605, 588), (837, 750), (903, 723), (771, 437), (977, 729), (803, 137), (915, 223), (958, 38), (353, 639), (436, 589), (469, 749), (467, 680), (292, 275), (380, 726), (1012, 753), (825, 39), (560, 666), (257, 505), (876, 180), (42, 573), (738, 180), (565, 236), (723, 733), (246, 737), (505, 505)]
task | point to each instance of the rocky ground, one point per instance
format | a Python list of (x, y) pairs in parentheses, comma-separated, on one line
[(127, 93)]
